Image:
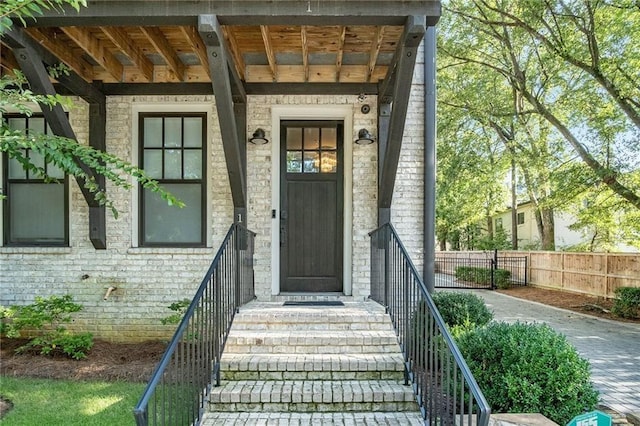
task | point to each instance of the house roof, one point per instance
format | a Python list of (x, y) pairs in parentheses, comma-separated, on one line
[(337, 43)]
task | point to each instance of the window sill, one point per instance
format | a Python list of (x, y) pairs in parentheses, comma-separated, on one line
[(171, 250), (35, 250)]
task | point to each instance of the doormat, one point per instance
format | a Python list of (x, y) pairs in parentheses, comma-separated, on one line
[(313, 303)]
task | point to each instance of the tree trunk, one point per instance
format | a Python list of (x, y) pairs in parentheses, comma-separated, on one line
[(548, 237), (514, 207)]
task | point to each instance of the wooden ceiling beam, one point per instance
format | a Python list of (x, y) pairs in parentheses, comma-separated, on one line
[(234, 12), (376, 43), (131, 49), (305, 52), (268, 48), (400, 92), (191, 33), (95, 48), (63, 52), (343, 35), (7, 60), (160, 43), (226, 105)]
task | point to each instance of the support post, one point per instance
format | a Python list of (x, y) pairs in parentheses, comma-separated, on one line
[(428, 274)]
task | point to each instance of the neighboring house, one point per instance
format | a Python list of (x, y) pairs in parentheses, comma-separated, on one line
[(179, 88), (529, 237)]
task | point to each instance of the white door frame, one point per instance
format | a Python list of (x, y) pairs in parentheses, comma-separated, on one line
[(312, 112)]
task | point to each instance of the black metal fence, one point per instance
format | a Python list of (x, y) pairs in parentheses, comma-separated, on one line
[(445, 389), (480, 270), (178, 391)]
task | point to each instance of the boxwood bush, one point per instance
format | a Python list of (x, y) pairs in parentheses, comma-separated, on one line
[(483, 275), (529, 368), (627, 302), (462, 309)]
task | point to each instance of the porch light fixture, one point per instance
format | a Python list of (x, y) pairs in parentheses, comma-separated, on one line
[(259, 138), (364, 137)]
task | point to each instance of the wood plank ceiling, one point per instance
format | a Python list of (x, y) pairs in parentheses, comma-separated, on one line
[(261, 53)]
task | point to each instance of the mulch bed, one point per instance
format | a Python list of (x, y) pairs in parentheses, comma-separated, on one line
[(131, 362)]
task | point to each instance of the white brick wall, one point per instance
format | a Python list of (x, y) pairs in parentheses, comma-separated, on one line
[(148, 280)]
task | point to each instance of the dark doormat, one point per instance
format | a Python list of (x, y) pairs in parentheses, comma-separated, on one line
[(313, 303)]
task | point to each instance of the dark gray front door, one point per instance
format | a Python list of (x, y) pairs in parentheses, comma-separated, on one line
[(311, 203)]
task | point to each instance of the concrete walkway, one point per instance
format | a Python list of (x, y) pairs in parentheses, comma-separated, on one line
[(613, 348)]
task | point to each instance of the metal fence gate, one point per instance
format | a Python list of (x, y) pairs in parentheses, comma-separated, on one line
[(480, 271)]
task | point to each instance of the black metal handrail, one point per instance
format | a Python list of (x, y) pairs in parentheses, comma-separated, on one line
[(178, 390), (445, 389)]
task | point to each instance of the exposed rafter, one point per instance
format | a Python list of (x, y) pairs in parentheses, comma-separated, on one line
[(160, 43), (268, 48), (305, 52), (235, 52), (63, 51), (376, 43), (131, 49), (94, 47), (191, 33), (343, 34)]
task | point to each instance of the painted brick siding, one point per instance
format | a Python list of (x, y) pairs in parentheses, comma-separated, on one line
[(148, 280)]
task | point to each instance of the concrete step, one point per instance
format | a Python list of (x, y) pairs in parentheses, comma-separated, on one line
[(303, 419), (311, 341), (309, 396), (383, 366)]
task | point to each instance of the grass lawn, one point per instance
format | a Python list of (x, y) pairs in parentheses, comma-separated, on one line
[(69, 403)]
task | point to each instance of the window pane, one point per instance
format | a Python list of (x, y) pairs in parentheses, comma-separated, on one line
[(166, 224), (172, 164), (294, 162), (193, 132), (17, 123), (192, 164), (38, 161), (152, 132), (15, 169), (36, 125), (172, 131), (153, 163), (30, 222), (294, 138), (329, 162), (54, 171), (311, 138), (311, 162), (329, 138)]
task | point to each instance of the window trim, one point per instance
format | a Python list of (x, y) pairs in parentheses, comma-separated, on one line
[(6, 190), (203, 181)]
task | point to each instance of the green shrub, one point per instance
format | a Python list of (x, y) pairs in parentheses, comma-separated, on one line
[(462, 309), (529, 368), (180, 308), (46, 316), (483, 275), (627, 302)]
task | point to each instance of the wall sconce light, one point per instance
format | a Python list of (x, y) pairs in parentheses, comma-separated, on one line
[(364, 137), (259, 137)]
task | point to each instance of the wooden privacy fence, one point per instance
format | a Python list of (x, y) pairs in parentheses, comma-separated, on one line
[(596, 274)]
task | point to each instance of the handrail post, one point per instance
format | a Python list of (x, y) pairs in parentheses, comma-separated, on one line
[(236, 252), (407, 322), (386, 234)]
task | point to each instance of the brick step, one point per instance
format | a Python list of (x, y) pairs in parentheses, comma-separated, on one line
[(313, 324), (312, 367), (313, 317), (308, 396), (311, 342), (297, 419)]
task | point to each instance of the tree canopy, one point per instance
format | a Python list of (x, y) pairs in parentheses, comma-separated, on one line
[(555, 84)]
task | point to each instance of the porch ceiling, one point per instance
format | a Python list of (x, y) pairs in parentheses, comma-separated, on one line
[(280, 41)]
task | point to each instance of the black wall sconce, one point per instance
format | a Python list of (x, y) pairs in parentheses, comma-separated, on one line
[(259, 138), (364, 137)]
